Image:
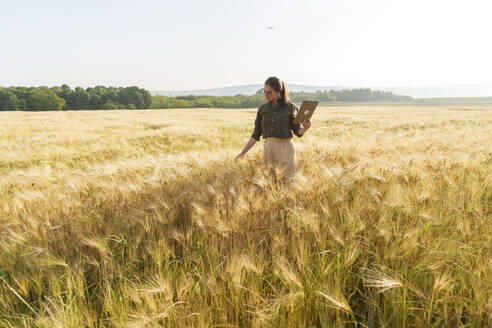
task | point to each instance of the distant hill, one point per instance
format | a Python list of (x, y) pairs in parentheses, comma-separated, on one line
[(463, 90), (249, 89)]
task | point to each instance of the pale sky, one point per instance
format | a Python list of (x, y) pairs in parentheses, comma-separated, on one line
[(191, 44)]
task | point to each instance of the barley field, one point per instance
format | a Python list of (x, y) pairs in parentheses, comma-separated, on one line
[(144, 219)]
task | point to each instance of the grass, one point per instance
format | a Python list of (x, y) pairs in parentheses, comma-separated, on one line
[(143, 219)]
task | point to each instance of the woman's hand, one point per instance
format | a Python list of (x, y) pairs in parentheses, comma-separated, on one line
[(306, 124), (251, 143)]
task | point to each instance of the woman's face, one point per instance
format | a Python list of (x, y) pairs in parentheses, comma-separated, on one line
[(270, 94)]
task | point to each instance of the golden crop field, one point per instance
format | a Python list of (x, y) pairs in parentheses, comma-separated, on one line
[(144, 219)]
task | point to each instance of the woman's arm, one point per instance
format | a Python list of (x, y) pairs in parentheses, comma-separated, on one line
[(251, 142), (254, 137)]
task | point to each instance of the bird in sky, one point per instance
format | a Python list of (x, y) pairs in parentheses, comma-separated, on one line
[(270, 27)]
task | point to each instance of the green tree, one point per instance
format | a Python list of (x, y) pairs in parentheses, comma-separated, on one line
[(80, 99), (111, 95), (96, 100), (21, 93), (8, 100), (67, 94), (140, 98), (110, 105), (43, 98), (203, 102)]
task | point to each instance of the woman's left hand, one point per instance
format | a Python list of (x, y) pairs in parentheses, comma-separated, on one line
[(306, 125)]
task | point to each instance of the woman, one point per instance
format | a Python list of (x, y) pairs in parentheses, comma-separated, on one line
[(274, 121)]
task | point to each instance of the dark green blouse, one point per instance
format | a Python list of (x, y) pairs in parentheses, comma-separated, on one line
[(276, 122)]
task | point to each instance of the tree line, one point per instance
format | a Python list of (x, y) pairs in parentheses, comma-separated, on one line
[(242, 101), (101, 97), (64, 98), (237, 101)]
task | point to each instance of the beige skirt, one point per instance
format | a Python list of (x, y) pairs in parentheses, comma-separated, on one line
[(281, 152)]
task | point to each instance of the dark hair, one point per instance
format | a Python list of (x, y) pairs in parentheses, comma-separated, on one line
[(279, 86)]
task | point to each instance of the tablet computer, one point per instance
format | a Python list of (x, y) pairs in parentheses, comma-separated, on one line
[(305, 111)]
